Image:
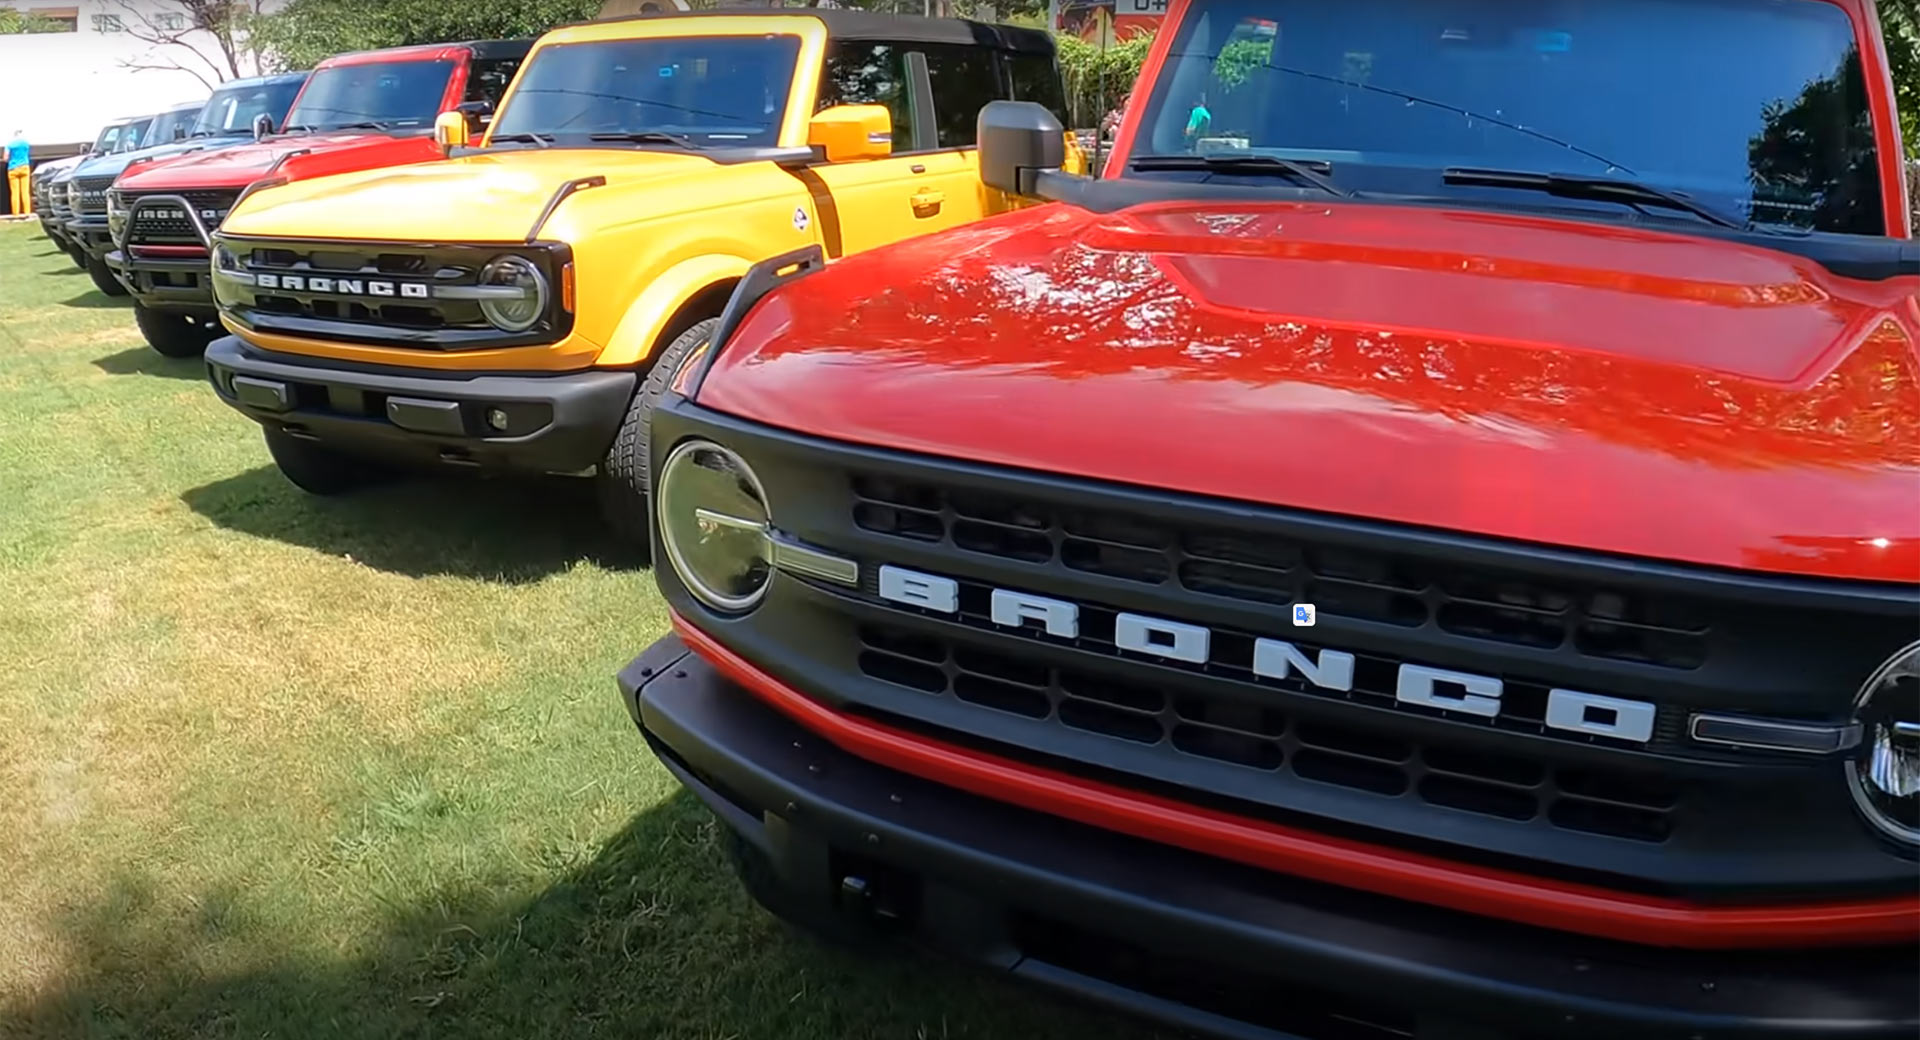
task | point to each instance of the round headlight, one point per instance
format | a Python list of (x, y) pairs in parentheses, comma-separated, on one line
[(715, 526), (1885, 778), (522, 295)]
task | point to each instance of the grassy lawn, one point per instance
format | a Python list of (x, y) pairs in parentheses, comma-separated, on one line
[(273, 765)]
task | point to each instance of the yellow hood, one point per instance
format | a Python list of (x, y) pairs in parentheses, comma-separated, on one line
[(494, 197)]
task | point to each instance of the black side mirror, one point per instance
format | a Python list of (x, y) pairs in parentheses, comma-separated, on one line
[(179, 133), (479, 113), (262, 126), (1018, 141)]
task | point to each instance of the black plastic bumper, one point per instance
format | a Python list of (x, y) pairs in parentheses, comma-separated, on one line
[(1196, 942), (92, 235), (560, 423), (177, 285)]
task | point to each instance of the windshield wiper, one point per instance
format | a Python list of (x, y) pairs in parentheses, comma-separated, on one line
[(646, 137), (1415, 99), (1598, 189), (369, 124), (543, 140), (1256, 165)]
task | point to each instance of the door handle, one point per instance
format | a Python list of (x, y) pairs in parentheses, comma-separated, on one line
[(926, 202)]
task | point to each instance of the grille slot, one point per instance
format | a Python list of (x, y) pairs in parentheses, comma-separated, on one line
[(1244, 733), (1512, 609)]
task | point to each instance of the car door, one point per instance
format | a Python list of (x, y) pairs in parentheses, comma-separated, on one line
[(931, 182), (868, 203)]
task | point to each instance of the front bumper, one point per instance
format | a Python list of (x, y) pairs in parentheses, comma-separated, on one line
[(1197, 942), (92, 235), (173, 284), (559, 423)]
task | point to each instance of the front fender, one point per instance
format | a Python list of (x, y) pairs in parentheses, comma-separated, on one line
[(634, 339)]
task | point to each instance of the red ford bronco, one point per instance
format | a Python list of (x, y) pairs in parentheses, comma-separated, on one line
[(356, 112), (1428, 544)]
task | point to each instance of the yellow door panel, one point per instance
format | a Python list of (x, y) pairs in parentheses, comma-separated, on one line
[(872, 203)]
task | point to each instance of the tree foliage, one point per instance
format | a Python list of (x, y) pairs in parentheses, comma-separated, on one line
[(1099, 78), (1900, 24), (306, 31), (14, 22)]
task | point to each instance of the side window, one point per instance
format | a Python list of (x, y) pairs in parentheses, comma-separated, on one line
[(964, 80), (487, 78), (861, 73), (1036, 78)]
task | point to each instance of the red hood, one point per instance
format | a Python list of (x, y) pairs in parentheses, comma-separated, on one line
[(1563, 383), (239, 167)]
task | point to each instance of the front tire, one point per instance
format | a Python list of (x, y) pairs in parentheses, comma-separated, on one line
[(77, 255), (102, 276), (319, 470), (173, 334), (623, 482)]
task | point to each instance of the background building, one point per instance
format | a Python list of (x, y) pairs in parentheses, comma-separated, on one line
[(109, 58)]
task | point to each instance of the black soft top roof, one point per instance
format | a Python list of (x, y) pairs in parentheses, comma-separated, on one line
[(870, 25), (492, 49)]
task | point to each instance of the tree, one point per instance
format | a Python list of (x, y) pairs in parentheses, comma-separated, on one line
[(305, 31), (208, 39)]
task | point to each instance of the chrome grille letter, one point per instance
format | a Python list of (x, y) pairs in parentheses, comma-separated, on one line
[(1170, 639), (1276, 660), (1418, 684), (1058, 617), (919, 590), (1600, 716)]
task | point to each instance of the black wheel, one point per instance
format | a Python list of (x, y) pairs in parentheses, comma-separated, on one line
[(815, 920), (174, 334), (319, 470), (622, 481), (78, 255), (102, 276)]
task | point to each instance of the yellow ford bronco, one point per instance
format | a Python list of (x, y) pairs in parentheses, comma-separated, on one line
[(520, 304)]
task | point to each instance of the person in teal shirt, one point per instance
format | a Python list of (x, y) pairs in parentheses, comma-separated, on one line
[(1199, 121), (19, 175)]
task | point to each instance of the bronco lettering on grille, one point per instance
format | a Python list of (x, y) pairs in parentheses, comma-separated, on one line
[(1329, 669), (341, 286)]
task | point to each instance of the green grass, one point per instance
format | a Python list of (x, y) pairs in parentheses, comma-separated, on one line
[(273, 765)]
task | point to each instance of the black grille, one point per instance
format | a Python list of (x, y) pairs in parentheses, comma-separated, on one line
[(1350, 758), (1406, 591), (1255, 735), (93, 195), (162, 224)]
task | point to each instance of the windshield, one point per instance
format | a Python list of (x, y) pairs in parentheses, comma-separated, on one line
[(131, 136), (231, 110), (1753, 107), (708, 89), (166, 123), (390, 93)]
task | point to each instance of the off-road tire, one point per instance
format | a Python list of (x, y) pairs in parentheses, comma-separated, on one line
[(102, 276), (174, 334), (317, 469), (77, 255), (757, 875), (622, 483)]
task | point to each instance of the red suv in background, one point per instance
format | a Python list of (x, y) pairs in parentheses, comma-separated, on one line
[(357, 111)]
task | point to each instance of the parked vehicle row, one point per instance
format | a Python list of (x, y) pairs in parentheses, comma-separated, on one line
[(1423, 545)]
